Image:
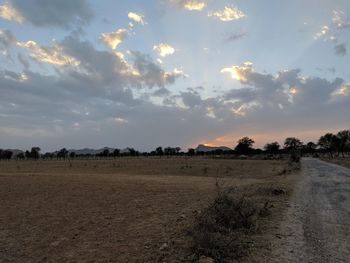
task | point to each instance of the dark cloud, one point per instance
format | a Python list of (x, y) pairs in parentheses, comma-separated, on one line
[(7, 39), (340, 49), (234, 36), (54, 13)]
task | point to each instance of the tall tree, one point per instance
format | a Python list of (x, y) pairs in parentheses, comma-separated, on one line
[(272, 148), (292, 144), (35, 153), (344, 138), (326, 142), (311, 147), (245, 145)]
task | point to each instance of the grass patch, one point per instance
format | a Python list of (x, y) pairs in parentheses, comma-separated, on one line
[(220, 230)]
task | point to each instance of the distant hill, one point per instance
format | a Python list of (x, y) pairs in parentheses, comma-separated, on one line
[(96, 151), (205, 148), (90, 151)]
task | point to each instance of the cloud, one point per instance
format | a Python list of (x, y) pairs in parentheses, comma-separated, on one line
[(7, 12), (228, 14), (234, 36), (340, 21), (239, 72), (287, 90), (54, 13), (190, 5), (331, 31), (7, 39), (51, 55), (340, 49), (137, 18), (151, 74), (164, 49), (114, 39)]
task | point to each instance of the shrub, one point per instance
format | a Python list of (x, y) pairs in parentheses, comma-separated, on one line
[(218, 228)]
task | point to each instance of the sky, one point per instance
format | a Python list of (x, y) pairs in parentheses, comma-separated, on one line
[(143, 74)]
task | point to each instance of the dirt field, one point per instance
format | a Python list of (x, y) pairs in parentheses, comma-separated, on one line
[(123, 210)]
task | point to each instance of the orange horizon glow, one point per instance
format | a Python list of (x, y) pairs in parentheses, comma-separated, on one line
[(230, 139)]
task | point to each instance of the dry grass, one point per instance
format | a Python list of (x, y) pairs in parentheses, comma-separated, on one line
[(124, 210)]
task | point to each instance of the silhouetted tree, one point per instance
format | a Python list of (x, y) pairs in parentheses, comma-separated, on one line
[(272, 148), (116, 153), (292, 144), (6, 154), (311, 147), (20, 156), (343, 140), (72, 155), (244, 145), (159, 151), (191, 152), (62, 153), (105, 153), (35, 153), (327, 142)]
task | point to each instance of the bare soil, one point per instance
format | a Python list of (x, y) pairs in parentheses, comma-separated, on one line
[(339, 160), (123, 210)]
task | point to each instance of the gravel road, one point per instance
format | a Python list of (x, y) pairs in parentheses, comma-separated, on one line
[(317, 224)]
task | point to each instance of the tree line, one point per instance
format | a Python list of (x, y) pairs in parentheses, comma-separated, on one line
[(331, 144)]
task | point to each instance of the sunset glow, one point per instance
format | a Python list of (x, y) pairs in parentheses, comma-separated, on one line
[(171, 72)]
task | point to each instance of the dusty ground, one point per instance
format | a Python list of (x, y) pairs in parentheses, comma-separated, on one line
[(316, 226), (124, 210), (339, 160)]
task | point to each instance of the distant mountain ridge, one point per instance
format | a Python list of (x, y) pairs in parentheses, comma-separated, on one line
[(206, 148)]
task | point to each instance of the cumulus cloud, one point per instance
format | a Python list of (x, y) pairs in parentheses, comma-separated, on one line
[(151, 74), (331, 31), (239, 72), (190, 5), (340, 49), (285, 90), (137, 18), (51, 55), (8, 12), (164, 49), (114, 39), (228, 14), (54, 13)]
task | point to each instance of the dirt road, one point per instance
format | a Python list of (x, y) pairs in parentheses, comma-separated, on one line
[(316, 227)]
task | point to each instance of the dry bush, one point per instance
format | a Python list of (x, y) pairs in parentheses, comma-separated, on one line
[(217, 232)]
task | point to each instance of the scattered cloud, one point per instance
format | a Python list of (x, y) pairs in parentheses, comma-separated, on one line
[(190, 5), (331, 31), (51, 55), (239, 72), (137, 18), (193, 5), (164, 49), (55, 13), (340, 49), (228, 14), (114, 39), (7, 12), (234, 36), (7, 40)]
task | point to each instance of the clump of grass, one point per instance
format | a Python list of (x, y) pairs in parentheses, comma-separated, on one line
[(218, 229)]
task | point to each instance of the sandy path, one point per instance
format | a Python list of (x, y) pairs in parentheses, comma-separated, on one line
[(316, 227)]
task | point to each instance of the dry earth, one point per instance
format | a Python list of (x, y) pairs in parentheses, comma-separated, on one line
[(123, 210), (339, 160)]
